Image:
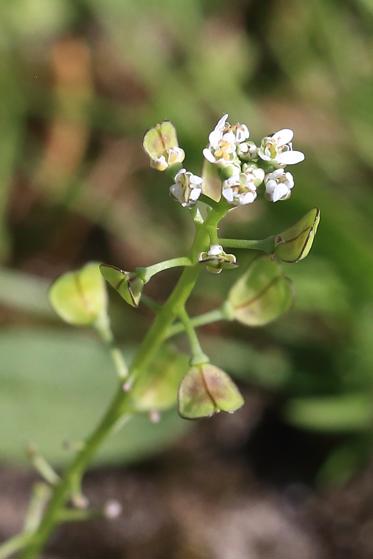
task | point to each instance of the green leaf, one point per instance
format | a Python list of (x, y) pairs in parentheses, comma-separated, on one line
[(261, 294), (159, 139), (80, 297), (206, 390), (347, 412), (127, 284), (158, 390), (24, 292), (295, 243), (55, 385)]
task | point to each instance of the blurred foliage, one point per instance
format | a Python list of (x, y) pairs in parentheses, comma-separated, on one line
[(81, 81), (53, 402)]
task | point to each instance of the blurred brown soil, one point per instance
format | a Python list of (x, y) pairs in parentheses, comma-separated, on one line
[(202, 500)]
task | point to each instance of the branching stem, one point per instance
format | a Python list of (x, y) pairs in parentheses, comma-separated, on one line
[(120, 405)]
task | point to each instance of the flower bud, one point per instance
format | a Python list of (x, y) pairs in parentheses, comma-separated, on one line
[(217, 260), (295, 243), (206, 390), (261, 294), (247, 151), (128, 284), (161, 144), (80, 297)]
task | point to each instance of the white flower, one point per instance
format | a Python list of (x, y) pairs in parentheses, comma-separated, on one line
[(171, 157), (187, 188), (240, 189), (278, 149), (240, 131), (253, 173), (217, 260), (278, 185), (223, 142)]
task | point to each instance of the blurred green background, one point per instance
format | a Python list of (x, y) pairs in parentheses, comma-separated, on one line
[(80, 83)]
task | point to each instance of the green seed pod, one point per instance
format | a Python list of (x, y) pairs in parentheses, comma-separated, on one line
[(261, 294), (295, 243), (206, 390), (157, 388), (161, 144), (127, 284), (80, 297)]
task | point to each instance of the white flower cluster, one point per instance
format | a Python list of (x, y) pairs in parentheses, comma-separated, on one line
[(244, 166), (230, 147)]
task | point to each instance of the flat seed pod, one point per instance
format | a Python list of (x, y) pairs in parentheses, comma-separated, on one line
[(295, 243), (211, 181), (157, 389), (261, 294), (206, 390), (161, 138), (80, 297), (128, 285)]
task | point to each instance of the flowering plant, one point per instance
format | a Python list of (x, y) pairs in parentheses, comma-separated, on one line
[(159, 376)]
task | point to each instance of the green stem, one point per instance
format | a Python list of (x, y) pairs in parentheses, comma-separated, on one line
[(198, 355), (41, 465), (148, 272), (39, 499), (265, 245), (75, 515), (207, 318), (121, 404), (150, 303), (104, 330), (14, 544)]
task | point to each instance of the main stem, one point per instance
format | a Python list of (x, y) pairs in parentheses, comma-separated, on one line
[(120, 404)]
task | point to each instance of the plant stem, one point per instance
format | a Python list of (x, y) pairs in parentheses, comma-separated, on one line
[(150, 271), (14, 544), (265, 245), (207, 318), (104, 330), (121, 404), (198, 355)]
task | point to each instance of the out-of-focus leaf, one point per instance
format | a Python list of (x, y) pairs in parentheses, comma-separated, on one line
[(24, 292), (261, 294), (79, 297), (342, 463), (341, 413), (34, 18), (54, 388), (328, 297), (206, 390), (159, 389), (295, 243), (268, 368)]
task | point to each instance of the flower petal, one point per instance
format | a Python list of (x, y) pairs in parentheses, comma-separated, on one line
[(209, 156), (283, 136), (290, 157)]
